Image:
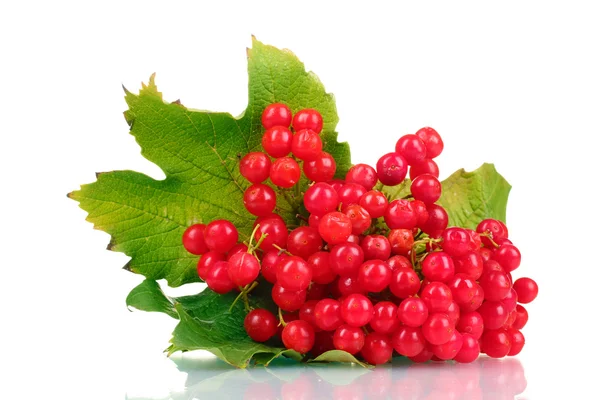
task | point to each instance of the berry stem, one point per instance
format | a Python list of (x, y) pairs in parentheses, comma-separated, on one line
[(244, 294), (281, 320), (281, 251), (490, 236), (250, 247)]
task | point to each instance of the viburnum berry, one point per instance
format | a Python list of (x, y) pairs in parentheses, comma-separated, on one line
[(521, 317), (306, 145), (401, 241), (438, 266), (285, 172), (288, 300), (437, 297), (207, 260), (316, 291), (350, 193), (470, 264), (217, 278), (408, 341), (495, 343), (275, 230), (469, 350), (260, 325), (463, 288), (374, 202), (385, 318), (299, 336), (360, 218), (328, 314), (510, 301), (449, 349), (471, 323), (260, 200), (277, 142), (424, 356), (457, 242), (243, 269), (356, 310), (438, 329), (335, 227), (376, 247), (493, 313), (347, 285), (508, 256), (193, 239), (362, 174), (321, 168), (255, 167), (349, 339), (308, 119), (238, 248), (269, 264), (304, 241), (426, 188), (413, 312), (220, 236), (293, 273), (398, 261), (400, 215), (374, 275), (276, 114), (427, 166), (412, 148), (420, 209), (405, 282), (527, 290), (377, 348), (321, 199), (475, 302), (493, 227), (437, 221), (307, 313), (432, 140), (391, 169), (496, 285), (517, 341), (346, 258), (453, 312), (313, 221)]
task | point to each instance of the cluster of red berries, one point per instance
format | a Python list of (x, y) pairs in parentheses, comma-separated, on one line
[(363, 274)]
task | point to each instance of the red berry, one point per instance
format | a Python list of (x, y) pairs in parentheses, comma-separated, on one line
[(255, 167), (347, 285), (321, 199), (285, 172), (427, 166), (469, 350), (357, 310), (438, 329), (408, 341), (260, 325), (293, 273), (433, 141), (321, 168), (517, 341), (485, 253), (260, 200), (437, 297), (277, 142), (307, 313), (475, 302), (217, 278), (412, 148), (360, 218), (374, 202), (401, 241), (420, 209), (521, 318), (376, 247), (527, 290), (457, 241), (207, 260), (346, 258), (238, 248), (493, 313), (493, 227), (495, 343), (362, 174), (384, 318), (436, 222), (306, 145), (405, 282), (377, 349), (323, 343), (328, 314), (374, 275), (449, 350), (220, 236), (350, 193), (268, 266), (288, 300), (470, 264), (463, 289), (193, 239), (298, 335), (276, 114), (316, 291), (508, 256), (413, 312), (423, 356), (335, 228), (243, 269), (438, 266), (496, 285), (471, 323), (426, 188), (400, 214), (321, 268), (391, 169), (275, 229), (349, 339), (396, 262), (304, 241), (510, 301), (308, 119)]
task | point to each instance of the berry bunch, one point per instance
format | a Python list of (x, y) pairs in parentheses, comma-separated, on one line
[(363, 274)]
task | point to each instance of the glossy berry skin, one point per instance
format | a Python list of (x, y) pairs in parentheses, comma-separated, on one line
[(285, 172), (335, 227), (207, 260), (469, 350), (349, 285), (328, 314), (275, 228), (217, 278), (408, 341), (508, 256), (448, 350), (391, 169), (457, 242), (260, 200), (306, 145), (374, 276), (495, 227), (238, 248), (521, 317), (316, 291), (412, 148), (243, 269), (405, 282), (427, 166), (321, 199), (308, 119), (293, 273), (220, 236), (438, 329), (496, 285), (320, 169), (307, 313), (413, 312), (255, 167), (299, 336), (436, 222), (432, 140), (304, 241), (426, 188), (400, 215), (510, 301), (517, 341), (276, 114), (350, 193), (401, 241), (495, 343), (377, 348), (423, 356), (463, 289), (398, 261), (268, 267), (438, 267), (193, 239), (420, 209), (527, 290), (360, 218), (362, 174), (384, 318), (349, 339), (471, 323), (493, 313), (357, 310), (475, 302), (470, 264), (374, 202), (376, 247), (260, 325), (346, 258), (437, 297), (288, 300), (277, 141)]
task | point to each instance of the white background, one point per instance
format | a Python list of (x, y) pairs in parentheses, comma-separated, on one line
[(515, 83)]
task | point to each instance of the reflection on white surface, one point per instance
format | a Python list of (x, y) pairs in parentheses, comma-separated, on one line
[(484, 379)]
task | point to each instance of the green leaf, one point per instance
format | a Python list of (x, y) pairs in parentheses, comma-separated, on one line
[(339, 356), (148, 296), (470, 197), (199, 153)]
